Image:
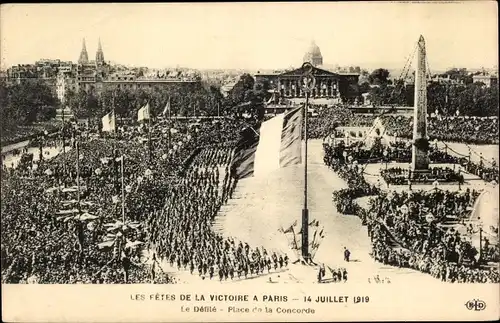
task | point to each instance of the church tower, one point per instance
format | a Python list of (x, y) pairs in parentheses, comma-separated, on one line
[(84, 58), (99, 56)]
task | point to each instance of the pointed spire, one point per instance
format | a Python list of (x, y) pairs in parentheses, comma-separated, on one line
[(84, 58), (99, 56)]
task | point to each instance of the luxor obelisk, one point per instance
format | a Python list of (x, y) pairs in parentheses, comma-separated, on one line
[(420, 156)]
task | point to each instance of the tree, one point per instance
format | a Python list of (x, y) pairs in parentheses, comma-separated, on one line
[(379, 76), (27, 102)]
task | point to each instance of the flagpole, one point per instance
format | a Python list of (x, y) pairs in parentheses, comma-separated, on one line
[(305, 211), (78, 173), (63, 146), (115, 171), (123, 191), (309, 83), (149, 132)]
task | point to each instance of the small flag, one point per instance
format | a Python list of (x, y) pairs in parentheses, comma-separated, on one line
[(166, 111), (108, 122), (314, 223), (275, 144), (143, 113)]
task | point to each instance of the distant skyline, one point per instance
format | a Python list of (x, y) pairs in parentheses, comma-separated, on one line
[(253, 36)]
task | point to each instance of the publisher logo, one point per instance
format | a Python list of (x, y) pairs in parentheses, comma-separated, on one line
[(475, 304)]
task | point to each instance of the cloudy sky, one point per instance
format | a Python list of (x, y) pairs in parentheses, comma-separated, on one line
[(254, 35)]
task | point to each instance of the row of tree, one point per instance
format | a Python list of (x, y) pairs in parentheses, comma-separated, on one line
[(468, 98), (25, 103), (185, 100)]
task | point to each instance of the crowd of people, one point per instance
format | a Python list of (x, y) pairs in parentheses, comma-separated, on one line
[(114, 228), (425, 231), (463, 129), (403, 235), (473, 130)]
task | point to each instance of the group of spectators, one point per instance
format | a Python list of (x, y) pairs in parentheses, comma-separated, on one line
[(425, 231), (473, 130), (175, 179), (403, 235)]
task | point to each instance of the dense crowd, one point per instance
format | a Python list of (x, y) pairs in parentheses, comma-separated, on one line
[(413, 229), (21, 133), (328, 118), (451, 129), (174, 181), (403, 235), (472, 130)]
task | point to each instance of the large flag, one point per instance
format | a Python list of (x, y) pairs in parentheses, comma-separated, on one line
[(277, 143), (166, 111), (108, 122), (143, 113)]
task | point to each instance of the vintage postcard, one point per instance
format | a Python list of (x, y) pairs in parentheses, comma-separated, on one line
[(192, 162)]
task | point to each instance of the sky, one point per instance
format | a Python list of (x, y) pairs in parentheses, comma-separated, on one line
[(253, 35)]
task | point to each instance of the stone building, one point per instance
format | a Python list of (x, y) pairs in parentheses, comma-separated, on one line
[(329, 85)]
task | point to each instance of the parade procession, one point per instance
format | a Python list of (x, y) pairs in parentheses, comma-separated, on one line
[(309, 175)]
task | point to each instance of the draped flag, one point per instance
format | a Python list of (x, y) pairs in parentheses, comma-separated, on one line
[(166, 111), (143, 113), (275, 144), (108, 122)]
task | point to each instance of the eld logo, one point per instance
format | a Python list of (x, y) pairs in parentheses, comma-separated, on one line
[(476, 305)]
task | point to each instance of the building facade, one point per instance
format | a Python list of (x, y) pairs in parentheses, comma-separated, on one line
[(486, 79), (329, 85)]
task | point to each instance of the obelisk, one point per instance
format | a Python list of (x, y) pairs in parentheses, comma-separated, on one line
[(420, 156)]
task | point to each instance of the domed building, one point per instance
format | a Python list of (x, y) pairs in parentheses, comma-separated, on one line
[(313, 55), (329, 85)]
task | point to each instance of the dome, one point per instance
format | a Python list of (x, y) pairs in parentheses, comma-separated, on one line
[(313, 55)]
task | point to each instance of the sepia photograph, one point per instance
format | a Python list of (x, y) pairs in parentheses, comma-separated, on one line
[(298, 161)]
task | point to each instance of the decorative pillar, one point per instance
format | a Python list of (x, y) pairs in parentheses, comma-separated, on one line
[(420, 157)]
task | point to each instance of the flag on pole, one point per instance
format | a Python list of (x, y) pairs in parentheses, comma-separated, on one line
[(166, 111), (108, 122), (275, 144), (143, 113)]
